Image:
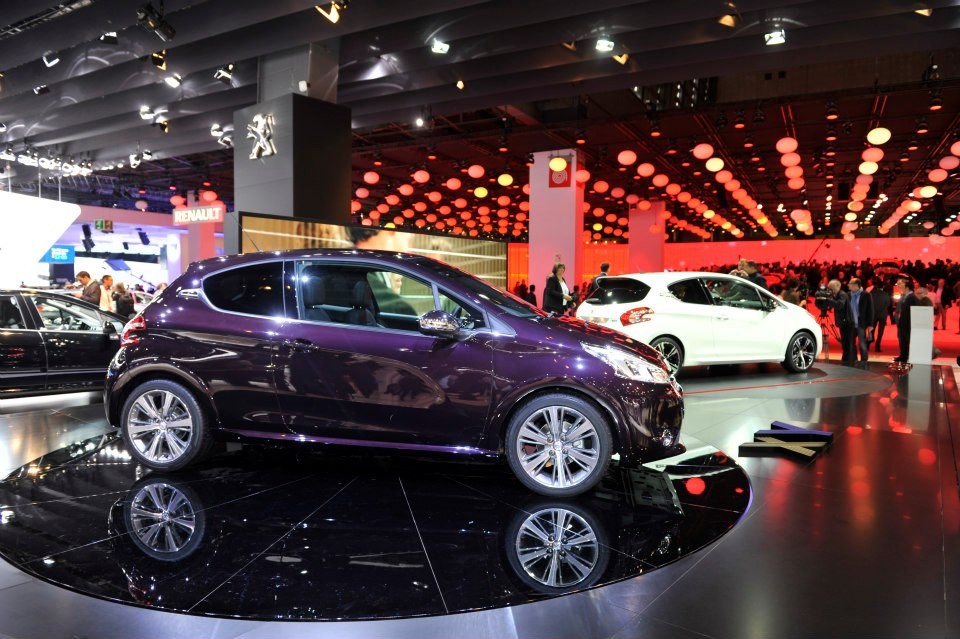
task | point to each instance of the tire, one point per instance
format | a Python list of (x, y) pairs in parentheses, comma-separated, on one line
[(671, 351), (801, 353), (557, 547), (558, 423), (165, 519), (163, 426)]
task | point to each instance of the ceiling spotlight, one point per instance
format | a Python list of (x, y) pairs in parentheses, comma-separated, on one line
[(503, 148), (40, 90), (3, 127), (581, 137), (419, 121), (923, 9), (759, 116), (225, 140), (332, 12), (50, 58), (163, 125), (913, 145), (739, 122), (777, 36), (152, 20), (622, 58), (159, 59), (174, 80), (604, 45), (147, 155), (748, 142), (729, 20), (439, 46), (922, 127), (832, 113), (216, 130), (655, 131), (831, 134), (110, 37), (570, 46), (135, 160), (224, 73), (460, 85), (146, 112), (721, 120), (936, 102)]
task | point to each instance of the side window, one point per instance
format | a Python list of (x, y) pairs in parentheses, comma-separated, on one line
[(255, 290), (399, 294), (469, 317), (60, 315), (10, 313), (733, 292), (690, 292)]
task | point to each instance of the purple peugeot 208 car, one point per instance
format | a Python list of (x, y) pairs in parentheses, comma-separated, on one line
[(391, 350)]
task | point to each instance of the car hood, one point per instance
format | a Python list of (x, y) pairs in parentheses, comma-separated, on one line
[(573, 329)]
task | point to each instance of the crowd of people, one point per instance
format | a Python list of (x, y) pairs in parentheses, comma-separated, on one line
[(108, 295)]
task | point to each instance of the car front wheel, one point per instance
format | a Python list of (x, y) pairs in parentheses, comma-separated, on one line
[(558, 445), (801, 353), (163, 426)]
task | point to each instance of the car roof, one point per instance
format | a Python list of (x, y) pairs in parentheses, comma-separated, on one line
[(226, 261), (666, 277), (66, 297)]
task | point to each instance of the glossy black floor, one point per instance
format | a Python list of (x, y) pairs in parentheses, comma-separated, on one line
[(862, 542)]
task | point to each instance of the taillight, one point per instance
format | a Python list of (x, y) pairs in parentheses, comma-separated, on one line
[(636, 315), (129, 335)]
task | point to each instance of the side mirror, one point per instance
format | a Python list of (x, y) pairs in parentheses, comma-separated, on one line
[(110, 330), (439, 324)]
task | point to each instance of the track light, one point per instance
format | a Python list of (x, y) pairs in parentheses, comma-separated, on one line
[(570, 45), (655, 131), (216, 130), (460, 85), (922, 127), (110, 37), (159, 59), (622, 58), (162, 123), (51, 58), (605, 45), (440, 46), (3, 127), (728, 20), (923, 9), (146, 155), (721, 120), (775, 37), (40, 90), (419, 121), (143, 237), (174, 80), (832, 113), (936, 102), (759, 117), (581, 137), (152, 20), (739, 122), (146, 113), (224, 73), (135, 159), (332, 13)]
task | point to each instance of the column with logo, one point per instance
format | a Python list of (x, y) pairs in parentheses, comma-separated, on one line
[(201, 219), (556, 219)]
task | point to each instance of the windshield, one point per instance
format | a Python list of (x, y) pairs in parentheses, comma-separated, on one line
[(503, 300)]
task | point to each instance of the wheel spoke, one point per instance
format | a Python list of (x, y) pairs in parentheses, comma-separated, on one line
[(146, 407), (154, 449), (140, 428), (579, 566), (553, 570), (530, 434), (560, 476), (534, 527), (579, 538), (184, 423), (579, 432), (168, 399), (534, 463), (586, 458), (174, 445)]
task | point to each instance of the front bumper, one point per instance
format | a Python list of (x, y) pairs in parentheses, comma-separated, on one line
[(649, 417)]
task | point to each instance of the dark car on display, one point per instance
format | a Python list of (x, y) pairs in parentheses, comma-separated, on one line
[(50, 342), (370, 348)]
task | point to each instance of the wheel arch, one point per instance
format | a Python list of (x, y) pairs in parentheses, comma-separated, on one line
[(150, 372)]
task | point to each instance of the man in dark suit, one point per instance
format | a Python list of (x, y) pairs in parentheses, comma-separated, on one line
[(881, 300), (840, 302), (861, 320), (907, 301), (91, 288)]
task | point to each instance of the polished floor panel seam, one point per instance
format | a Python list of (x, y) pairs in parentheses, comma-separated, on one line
[(806, 382), (272, 544), (426, 553)]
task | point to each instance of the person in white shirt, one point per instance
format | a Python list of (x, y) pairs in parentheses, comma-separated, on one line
[(107, 303)]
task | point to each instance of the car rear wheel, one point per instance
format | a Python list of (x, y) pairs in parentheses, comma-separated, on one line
[(801, 353), (558, 445), (163, 426), (671, 352)]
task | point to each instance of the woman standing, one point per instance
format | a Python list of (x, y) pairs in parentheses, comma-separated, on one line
[(123, 299), (556, 295)]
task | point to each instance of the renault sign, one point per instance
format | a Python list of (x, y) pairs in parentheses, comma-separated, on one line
[(200, 214)]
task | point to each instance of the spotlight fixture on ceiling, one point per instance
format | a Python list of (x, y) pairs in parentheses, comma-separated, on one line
[(831, 134), (775, 36), (159, 59), (831, 112), (655, 131), (144, 239), (622, 58), (605, 45), (922, 127), (739, 122), (732, 17), (152, 20), (570, 45), (146, 155), (503, 147), (3, 127), (146, 113), (721, 121), (580, 137), (460, 85), (936, 102), (931, 73), (224, 73), (913, 145), (110, 37), (759, 117), (923, 9), (1, 82), (174, 80), (161, 122), (332, 11), (439, 46), (40, 90), (51, 58)]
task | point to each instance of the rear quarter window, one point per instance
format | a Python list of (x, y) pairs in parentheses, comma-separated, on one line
[(254, 290), (618, 290)]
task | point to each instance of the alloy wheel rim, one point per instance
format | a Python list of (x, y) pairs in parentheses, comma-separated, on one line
[(803, 352), (160, 426), (558, 447), (557, 547), (162, 518), (670, 354)]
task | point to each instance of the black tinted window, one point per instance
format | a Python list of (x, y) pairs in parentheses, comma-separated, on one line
[(689, 291), (255, 289), (618, 290)]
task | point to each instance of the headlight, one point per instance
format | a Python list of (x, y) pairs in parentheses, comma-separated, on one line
[(630, 366)]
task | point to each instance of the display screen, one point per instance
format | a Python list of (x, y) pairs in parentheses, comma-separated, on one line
[(482, 258)]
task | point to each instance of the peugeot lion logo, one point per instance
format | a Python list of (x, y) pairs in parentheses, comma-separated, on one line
[(261, 132)]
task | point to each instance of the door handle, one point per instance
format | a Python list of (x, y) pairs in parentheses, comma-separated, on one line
[(300, 344)]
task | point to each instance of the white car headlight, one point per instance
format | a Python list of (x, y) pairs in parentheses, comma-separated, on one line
[(630, 366)]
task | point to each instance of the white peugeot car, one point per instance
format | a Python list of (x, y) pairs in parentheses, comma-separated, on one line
[(695, 319)]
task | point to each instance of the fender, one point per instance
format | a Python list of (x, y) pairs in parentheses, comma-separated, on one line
[(127, 380)]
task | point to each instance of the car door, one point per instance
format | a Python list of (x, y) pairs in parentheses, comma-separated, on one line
[(356, 367), (23, 359), (78, 346), (739, 320)]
